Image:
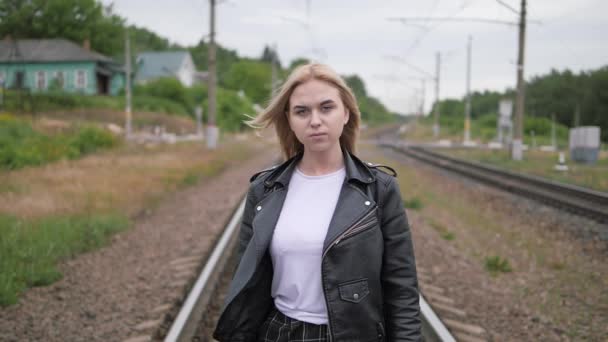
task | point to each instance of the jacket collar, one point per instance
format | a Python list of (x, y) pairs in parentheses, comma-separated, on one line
[(354, 167)]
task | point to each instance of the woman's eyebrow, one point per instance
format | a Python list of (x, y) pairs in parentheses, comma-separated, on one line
[(330, 101), (300, 107)]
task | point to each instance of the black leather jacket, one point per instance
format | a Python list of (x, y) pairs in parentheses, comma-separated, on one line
[(368, 265)]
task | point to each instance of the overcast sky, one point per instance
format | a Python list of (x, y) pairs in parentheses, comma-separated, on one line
[(356, 36)]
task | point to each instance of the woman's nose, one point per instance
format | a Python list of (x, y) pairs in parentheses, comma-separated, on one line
[(315, 118)]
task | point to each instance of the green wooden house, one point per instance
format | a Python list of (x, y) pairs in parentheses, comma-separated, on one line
[(42, 65)]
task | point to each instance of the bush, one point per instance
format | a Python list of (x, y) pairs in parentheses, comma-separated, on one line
[(90, 138), (21, 146), (163, 92)]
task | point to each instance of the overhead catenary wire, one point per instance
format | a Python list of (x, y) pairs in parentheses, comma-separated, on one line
[(504, 4), (421, 36)]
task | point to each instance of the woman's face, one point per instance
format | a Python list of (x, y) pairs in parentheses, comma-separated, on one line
[(317, 115)]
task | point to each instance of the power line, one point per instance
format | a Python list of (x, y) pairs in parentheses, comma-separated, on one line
[(428, 30), (433, 8), (508, 6), (463, 19), (403, 61)]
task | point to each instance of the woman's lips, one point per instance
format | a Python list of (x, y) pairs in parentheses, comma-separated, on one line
[(318, 135)]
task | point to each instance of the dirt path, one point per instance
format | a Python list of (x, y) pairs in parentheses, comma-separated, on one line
[(124, 289)]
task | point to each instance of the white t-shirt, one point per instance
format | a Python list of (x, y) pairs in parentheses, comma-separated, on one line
[(297, 245)]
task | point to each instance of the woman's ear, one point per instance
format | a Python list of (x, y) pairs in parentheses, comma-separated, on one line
[(346, 116)]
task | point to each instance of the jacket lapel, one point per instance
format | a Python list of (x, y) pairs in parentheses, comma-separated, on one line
[(266, 219), (350, 207)]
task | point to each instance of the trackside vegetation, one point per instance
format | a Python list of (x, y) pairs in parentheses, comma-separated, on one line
[(31, 249), (21, 145)]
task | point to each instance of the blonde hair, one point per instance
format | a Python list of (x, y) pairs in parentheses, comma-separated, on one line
[(277, 110)]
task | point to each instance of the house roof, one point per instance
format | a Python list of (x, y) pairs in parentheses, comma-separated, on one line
[(159, 64), (47, 50)]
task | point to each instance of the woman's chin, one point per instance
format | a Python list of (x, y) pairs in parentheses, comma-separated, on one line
[(321, 146)]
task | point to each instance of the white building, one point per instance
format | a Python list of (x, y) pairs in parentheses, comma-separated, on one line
[(178, 64)]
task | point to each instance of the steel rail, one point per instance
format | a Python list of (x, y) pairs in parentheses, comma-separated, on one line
[(185, 324), (433, 328), (579, 200)]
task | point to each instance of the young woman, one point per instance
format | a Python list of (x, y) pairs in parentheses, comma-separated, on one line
[(325, 251)]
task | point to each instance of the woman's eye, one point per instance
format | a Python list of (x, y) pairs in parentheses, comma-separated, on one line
[(326, 108)]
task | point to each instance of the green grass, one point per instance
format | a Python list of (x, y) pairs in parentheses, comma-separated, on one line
[(210, 169), (448, 236), (414, 203), (51, 101), (31, 250), (21, 145), (495, 265), (443, 231)]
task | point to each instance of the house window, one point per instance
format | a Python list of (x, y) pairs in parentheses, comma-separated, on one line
[(40, 79), (81, 79), (59, 79)]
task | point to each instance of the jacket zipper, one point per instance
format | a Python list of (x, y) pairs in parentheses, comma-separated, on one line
[(350, 231), (364, 223)]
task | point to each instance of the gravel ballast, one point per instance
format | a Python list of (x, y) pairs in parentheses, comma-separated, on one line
[(123, 290)]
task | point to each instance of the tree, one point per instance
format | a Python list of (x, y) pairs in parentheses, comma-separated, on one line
[(76, 20), (357, 85), (224, 59), (269, 55), (251, 76), (297, 62), (559, 93)]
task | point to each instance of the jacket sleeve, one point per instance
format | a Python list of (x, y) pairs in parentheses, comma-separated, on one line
[(399, 280)]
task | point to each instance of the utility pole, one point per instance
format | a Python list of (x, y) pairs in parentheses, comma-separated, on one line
[(308, 11), (553, 137), (516, 147), (437, 77), (212, 129), (128, 85), (467, 110), (422, 97), (273, 64)]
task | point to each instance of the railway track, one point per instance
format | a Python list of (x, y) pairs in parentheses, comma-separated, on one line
[(578, 200), (198, 314)]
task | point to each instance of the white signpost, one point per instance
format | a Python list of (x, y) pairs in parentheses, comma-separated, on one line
[(505, 124)]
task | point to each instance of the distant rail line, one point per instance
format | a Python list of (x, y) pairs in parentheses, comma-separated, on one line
[(578, 200)]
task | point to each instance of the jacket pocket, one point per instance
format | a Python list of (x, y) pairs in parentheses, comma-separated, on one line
[(354, 291)]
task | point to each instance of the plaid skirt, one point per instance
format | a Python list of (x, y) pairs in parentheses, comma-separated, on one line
[(279, 328)]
